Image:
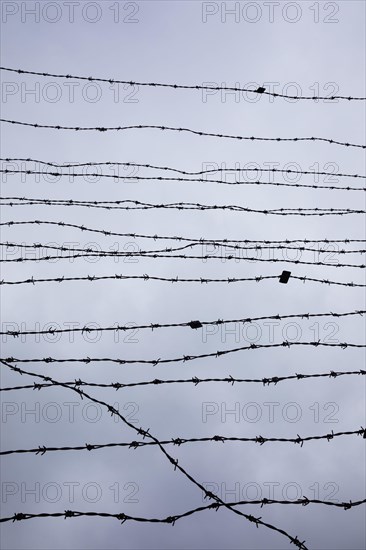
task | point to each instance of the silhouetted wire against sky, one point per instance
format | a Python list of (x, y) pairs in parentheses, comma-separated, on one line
[(260, 187)]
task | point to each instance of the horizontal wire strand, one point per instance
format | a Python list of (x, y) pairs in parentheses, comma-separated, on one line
[(186, 324), (176, 279), (199, 240), (176, 129), (266, 381), (180, 86), (138, 205), (155, 179), (183, 172), (184, 358)]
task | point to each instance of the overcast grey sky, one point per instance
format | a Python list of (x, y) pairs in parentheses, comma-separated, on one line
[(298, 48)]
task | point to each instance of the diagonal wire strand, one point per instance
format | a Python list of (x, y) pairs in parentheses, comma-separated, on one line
[(174, 462)]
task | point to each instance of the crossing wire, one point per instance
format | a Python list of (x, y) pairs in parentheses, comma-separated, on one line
[(172, 519), (174, 462)]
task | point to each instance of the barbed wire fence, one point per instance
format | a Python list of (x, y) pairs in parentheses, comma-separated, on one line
[(77, 386)]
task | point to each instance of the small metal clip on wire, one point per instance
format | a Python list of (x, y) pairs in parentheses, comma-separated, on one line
[(195, 324)]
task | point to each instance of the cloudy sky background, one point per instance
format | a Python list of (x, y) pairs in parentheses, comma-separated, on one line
[(170, 42)]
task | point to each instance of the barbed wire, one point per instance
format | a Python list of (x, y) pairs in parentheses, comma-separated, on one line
[(147, 254), (176, 129), (178, 441), (194, 380), (176, 279), (172, 519), (199, 240), (259, 90), (189, 245), (191, 180), (174, 462), (184, 172), (138, 205), (190, 324), (184, 358)]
